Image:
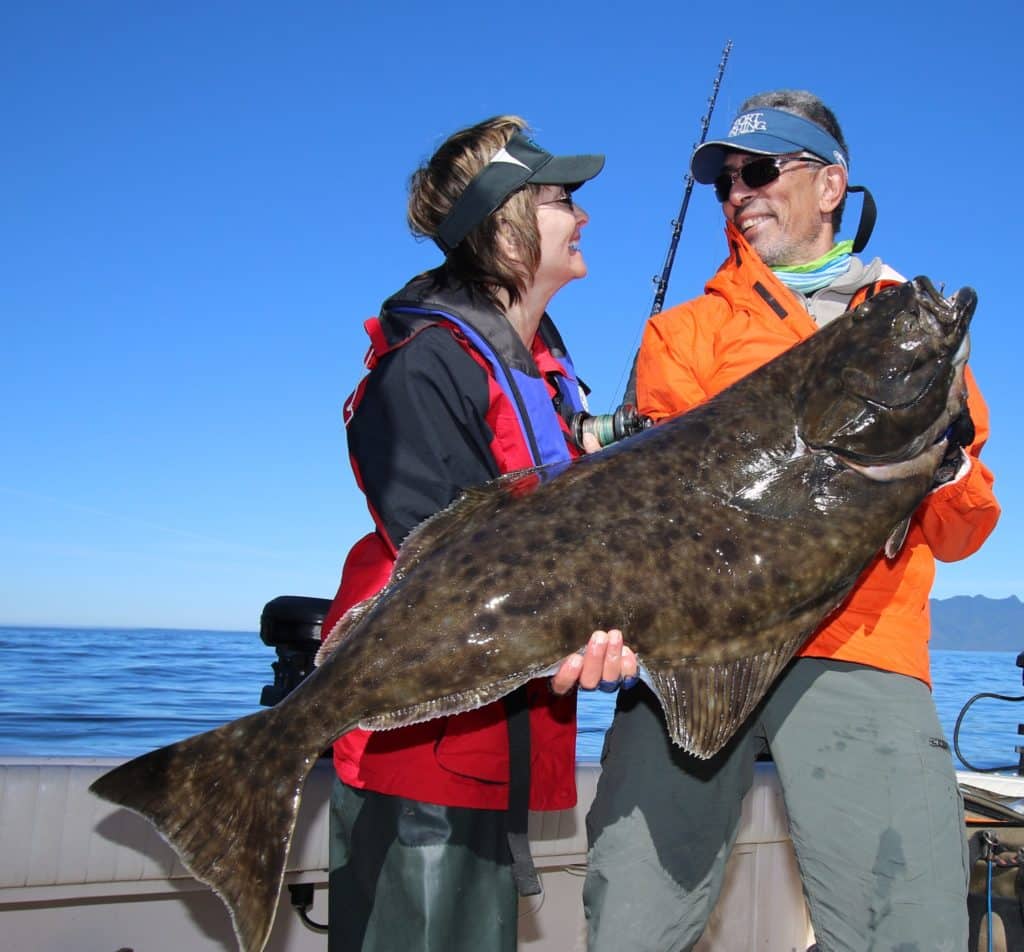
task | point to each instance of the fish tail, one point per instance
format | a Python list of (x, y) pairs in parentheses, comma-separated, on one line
[(226, 801)]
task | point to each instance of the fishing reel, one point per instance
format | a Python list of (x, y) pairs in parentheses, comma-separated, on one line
[(608, 427)]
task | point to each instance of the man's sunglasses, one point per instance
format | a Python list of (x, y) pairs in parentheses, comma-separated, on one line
[(758, 173)]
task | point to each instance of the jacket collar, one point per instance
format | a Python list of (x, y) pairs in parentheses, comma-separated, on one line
[(434, 294), (745, 280)]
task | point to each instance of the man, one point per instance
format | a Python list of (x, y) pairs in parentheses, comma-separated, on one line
[(875, 812)]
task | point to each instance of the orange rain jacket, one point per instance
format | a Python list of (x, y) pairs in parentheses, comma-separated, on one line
[(745, 318)]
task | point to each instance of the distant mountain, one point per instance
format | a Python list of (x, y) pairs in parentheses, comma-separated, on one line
[(977, 623)]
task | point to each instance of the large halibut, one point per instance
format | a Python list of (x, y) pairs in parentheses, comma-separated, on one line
[(718, 541)]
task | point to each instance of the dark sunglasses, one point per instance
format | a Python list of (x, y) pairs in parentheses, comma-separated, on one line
[(758, 173)]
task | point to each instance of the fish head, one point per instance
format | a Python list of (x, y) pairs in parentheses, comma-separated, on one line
[(889, 379)]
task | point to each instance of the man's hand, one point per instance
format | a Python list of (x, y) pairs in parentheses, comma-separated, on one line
[(959, 435), (606, 664)]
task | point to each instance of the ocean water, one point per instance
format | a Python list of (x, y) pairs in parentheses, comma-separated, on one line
[(93, 692)]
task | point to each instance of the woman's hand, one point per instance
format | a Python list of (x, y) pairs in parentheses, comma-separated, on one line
[(606, 664)]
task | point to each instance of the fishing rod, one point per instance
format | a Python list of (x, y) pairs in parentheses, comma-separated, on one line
[(677, 225), (661, 283)]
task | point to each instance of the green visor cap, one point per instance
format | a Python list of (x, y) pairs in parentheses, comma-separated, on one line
[(510, 168)]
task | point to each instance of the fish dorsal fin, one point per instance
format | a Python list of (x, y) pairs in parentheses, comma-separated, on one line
[(896, 539), (344, 625), (705, 704), (476, 506)]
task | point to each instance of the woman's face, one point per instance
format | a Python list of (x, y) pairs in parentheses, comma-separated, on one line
[(559, 221)]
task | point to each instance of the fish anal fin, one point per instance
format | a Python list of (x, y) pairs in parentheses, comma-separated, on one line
[(457, 703), (705, 704)]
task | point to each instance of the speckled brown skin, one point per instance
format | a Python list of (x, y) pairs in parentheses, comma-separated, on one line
[(717, 541)]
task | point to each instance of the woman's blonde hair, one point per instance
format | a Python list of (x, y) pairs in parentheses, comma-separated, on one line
[(479, 259)]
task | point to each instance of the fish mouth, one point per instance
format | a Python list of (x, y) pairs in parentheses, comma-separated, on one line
[(958, 307)]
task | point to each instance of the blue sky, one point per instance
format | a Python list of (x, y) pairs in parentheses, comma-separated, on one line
[(203, 201)]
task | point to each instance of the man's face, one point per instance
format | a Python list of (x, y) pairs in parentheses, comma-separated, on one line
[(788, 221)]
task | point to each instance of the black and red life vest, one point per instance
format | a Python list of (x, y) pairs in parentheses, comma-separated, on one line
[(463, 760)]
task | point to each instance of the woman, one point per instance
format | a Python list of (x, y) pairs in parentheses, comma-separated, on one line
[(468, 380)]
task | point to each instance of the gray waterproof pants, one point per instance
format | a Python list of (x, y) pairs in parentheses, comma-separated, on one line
[(407, 876), (874, 811)]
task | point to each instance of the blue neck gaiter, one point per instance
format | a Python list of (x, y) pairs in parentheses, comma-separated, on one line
[(811, 277)]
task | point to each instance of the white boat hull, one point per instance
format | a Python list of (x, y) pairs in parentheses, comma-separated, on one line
[(78, 873)]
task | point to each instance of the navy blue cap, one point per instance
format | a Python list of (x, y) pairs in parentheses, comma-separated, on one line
[(508, 170), (767, 132), (777, 132)]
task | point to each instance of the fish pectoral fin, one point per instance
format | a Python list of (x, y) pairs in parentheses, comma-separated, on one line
[(344, 625), (788, 489), (474, 507), (705, 704), (897, 537)]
